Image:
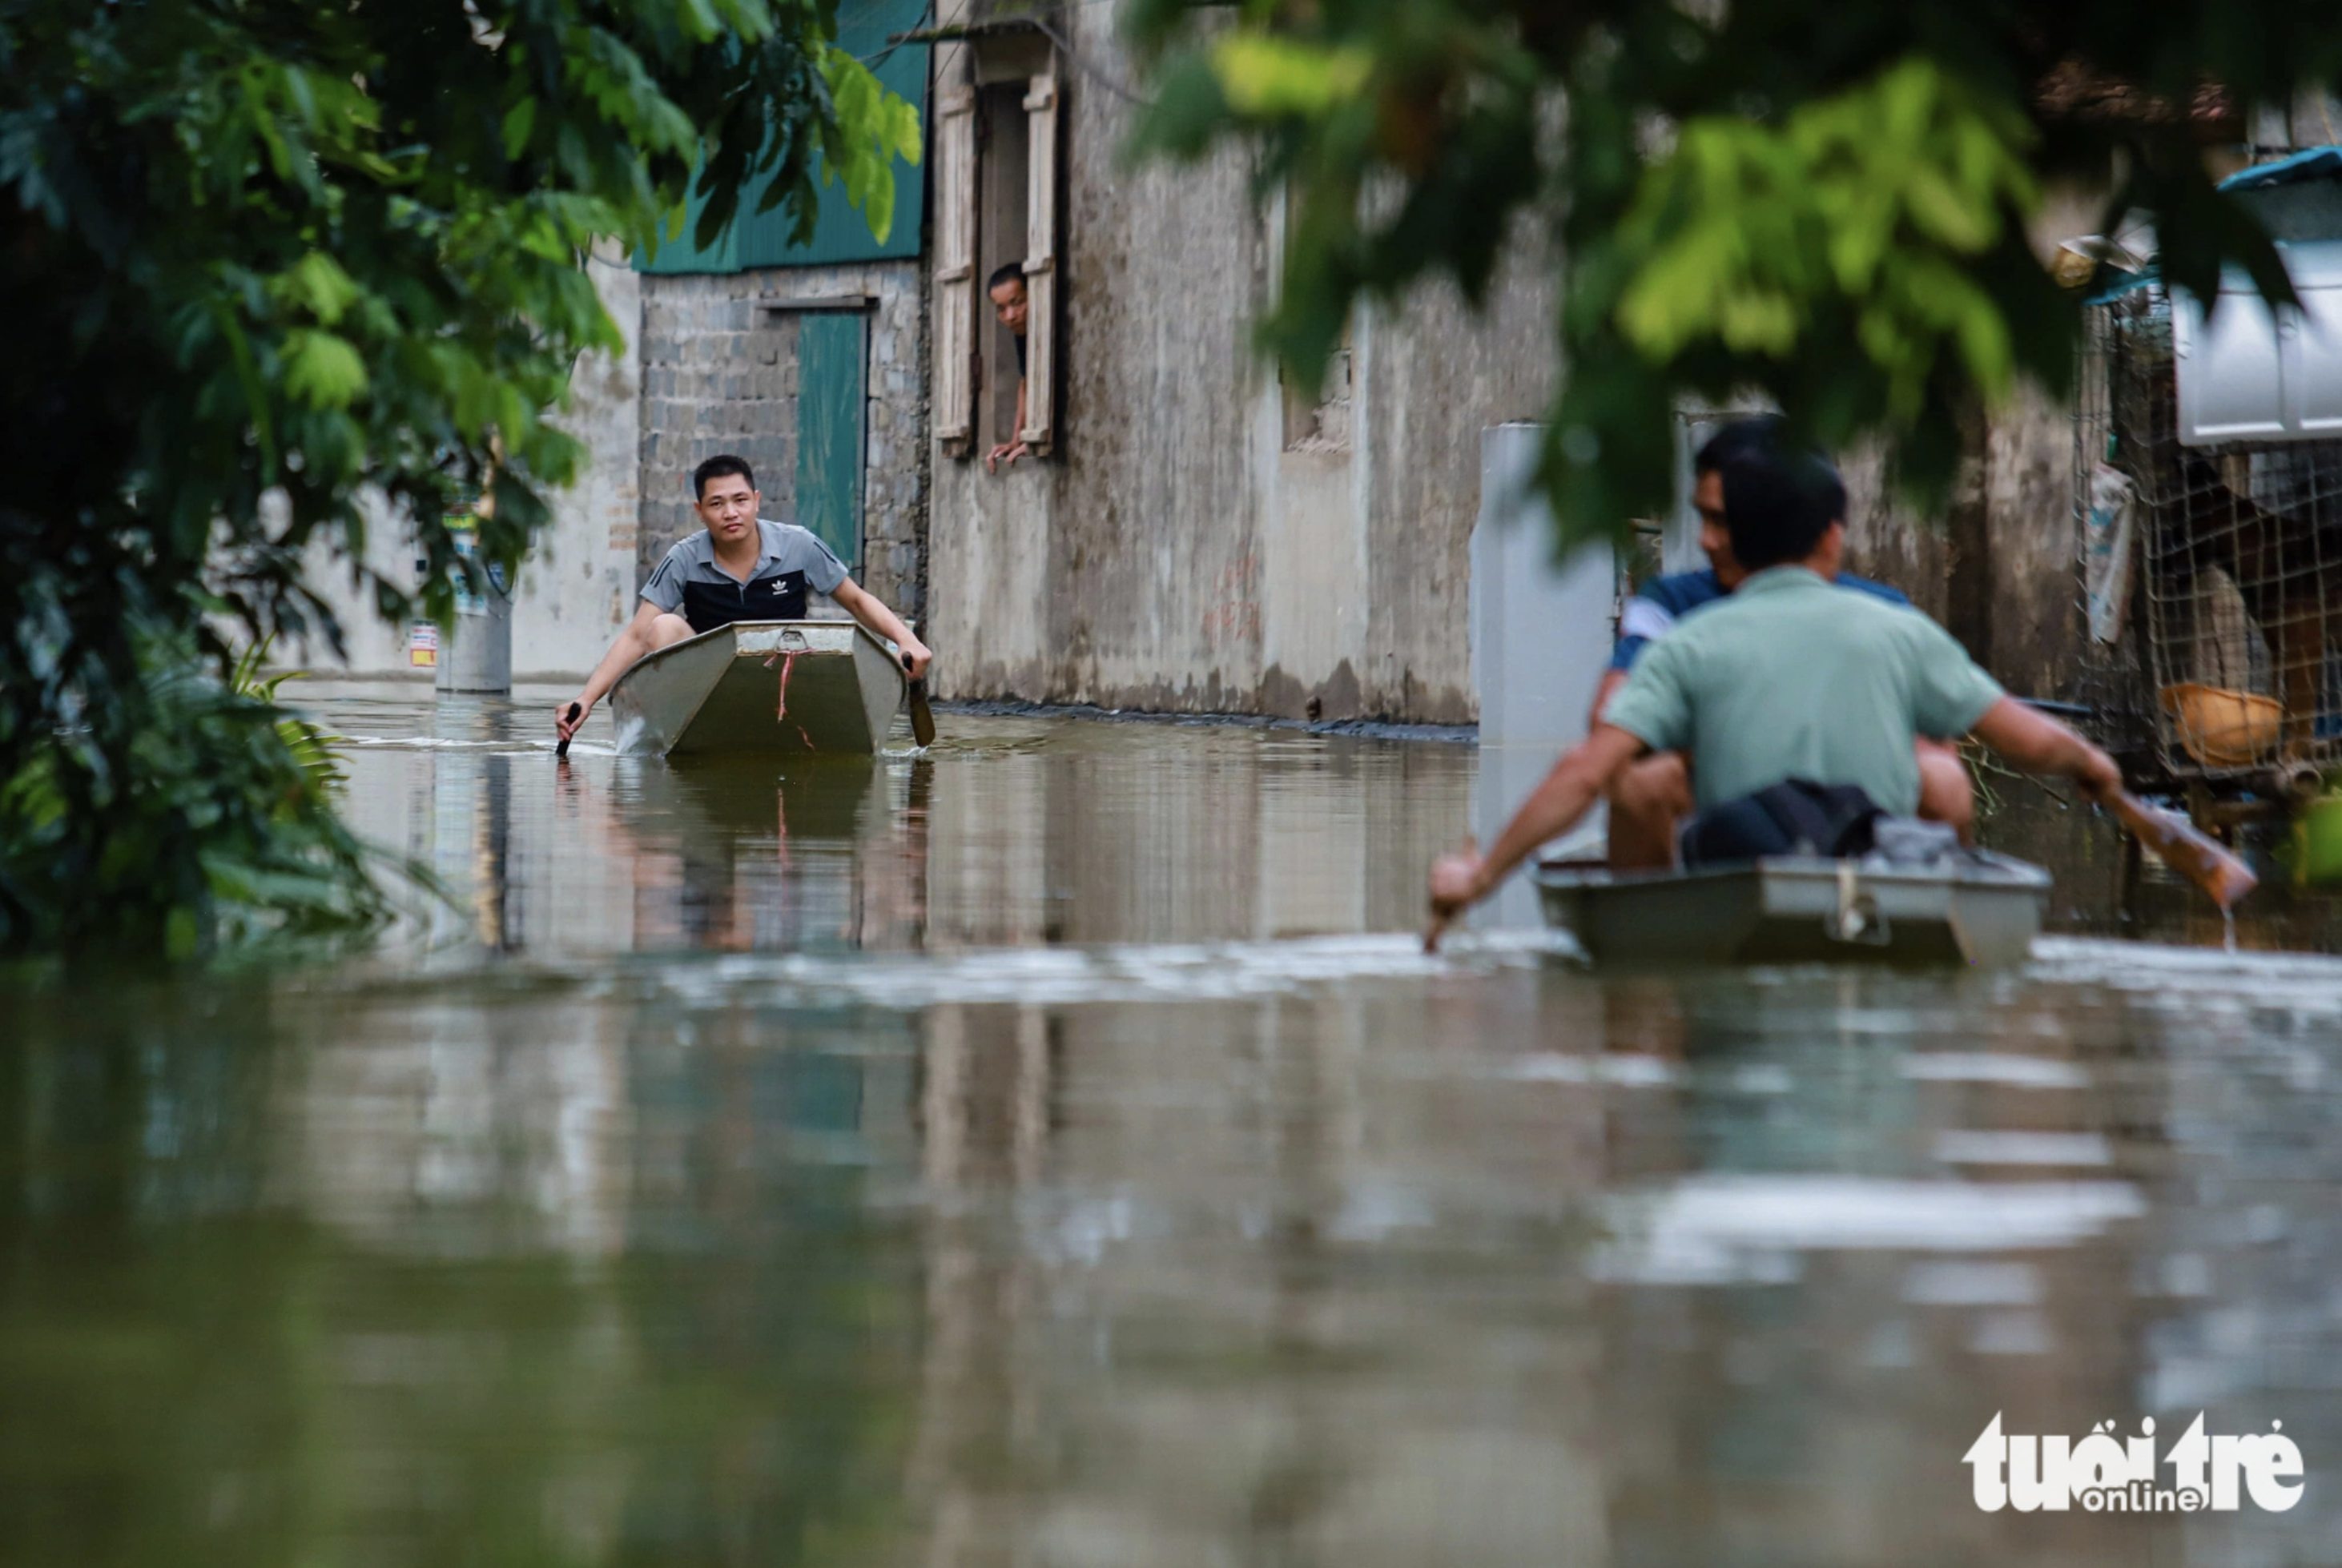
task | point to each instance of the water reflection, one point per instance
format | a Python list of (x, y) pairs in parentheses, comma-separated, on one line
[(1031, 1152), (1008, 832)]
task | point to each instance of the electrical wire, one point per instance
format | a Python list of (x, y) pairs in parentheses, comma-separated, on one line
[(927, 16), (1097, 75)]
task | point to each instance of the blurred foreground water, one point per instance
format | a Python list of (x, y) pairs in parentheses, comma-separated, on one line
[(1052, 1149)]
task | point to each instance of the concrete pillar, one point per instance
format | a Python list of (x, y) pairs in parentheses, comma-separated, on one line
[(476, 651), (1541, 637)]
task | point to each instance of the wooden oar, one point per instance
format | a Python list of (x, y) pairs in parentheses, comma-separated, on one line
[(922, 721), (561, 752), (2194, 856)]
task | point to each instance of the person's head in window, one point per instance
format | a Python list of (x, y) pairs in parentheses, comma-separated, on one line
[(1007, 288)]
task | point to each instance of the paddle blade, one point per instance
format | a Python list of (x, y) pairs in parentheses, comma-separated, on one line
[(923, 719), (2197, 856)]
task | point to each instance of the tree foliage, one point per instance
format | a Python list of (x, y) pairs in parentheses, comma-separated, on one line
[(277, 268), (1821, 204)]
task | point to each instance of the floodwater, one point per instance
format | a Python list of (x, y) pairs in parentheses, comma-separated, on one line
[(1052, 1150)]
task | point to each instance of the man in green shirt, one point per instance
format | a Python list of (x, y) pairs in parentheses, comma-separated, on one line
[(1651, 801), (1787, 678)]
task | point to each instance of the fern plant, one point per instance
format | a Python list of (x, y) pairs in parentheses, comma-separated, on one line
[(311, 747)]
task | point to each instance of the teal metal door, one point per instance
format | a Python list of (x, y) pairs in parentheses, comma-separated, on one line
[(830, 403)]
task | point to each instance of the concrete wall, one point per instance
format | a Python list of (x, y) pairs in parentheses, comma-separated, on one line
[(1175, 552), (1997, 564), (719, 374), (578, 585), (2033, 637)]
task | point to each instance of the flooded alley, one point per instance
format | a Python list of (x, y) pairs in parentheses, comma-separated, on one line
[(1053, 1148)]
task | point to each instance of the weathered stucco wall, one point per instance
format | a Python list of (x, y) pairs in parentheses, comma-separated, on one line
[(1996, 565), (1885, 539), (1183, 548), (2034, 636), (576, 588), (719, 373)]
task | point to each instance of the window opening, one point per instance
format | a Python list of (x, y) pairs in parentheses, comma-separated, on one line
[(997, 178), (1004, 180)]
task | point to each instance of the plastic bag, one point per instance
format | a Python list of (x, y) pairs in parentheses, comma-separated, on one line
[(2107, 551)]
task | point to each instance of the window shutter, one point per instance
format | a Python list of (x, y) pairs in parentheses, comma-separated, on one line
[(954, 322), (1041, 266)]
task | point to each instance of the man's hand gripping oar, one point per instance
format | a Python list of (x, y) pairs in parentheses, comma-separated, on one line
[(923, 717), (2194, 856), (1455, 885), (1461, 880), (2036, 743)]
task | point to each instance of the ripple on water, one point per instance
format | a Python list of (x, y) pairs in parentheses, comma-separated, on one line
[(1064, 976), (1726, 1229)]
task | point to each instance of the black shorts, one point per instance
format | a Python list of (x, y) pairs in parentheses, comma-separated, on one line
[(1795, 817)]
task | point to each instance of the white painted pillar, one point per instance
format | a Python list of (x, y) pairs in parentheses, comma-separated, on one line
[(1541, 638)]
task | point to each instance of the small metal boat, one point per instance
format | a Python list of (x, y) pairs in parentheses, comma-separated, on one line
[(1974, 908), (761, 687)]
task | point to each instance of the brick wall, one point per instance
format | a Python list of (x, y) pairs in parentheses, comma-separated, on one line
[(719, 373)]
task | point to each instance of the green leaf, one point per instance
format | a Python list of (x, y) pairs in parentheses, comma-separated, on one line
[(520, 122), (875, 127), (322, 370), (1264, 76), (317, 284)]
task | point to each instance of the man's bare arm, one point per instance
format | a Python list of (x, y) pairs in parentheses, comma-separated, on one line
[(1014, 447), (634, 640), (880, 622), (2033, 743), (1553, 808), (1611, 681)]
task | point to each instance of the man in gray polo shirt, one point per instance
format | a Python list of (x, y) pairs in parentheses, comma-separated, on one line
[(1787, 678), (740, 568)]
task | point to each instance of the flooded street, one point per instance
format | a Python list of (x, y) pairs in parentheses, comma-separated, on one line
[(1053, 1149)]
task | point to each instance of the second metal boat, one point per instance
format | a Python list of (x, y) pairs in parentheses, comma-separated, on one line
[(1975, 908)]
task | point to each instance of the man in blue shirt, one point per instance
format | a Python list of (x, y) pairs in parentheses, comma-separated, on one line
[(1652, 797)]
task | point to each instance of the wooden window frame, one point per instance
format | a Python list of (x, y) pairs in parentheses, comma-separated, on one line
[(961, 306), (1041, 282), (955, 280)]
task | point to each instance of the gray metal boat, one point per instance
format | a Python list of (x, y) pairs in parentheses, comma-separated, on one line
[(761, 687), (1973, 908)]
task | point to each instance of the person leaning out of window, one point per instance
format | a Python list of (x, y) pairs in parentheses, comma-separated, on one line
[(1006, 287)]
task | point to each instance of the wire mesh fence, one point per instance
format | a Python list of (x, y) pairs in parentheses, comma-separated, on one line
[(2217, 571)]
